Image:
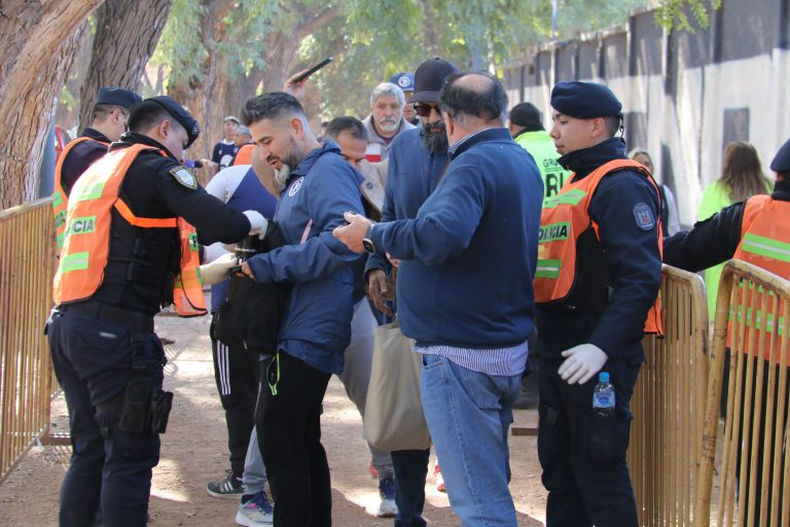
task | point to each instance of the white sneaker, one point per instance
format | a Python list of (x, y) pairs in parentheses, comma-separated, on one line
[(387, 507), (256, 512)]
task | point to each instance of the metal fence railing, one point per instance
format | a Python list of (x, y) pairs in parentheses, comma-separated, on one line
[(27, 265), (668, 402), (749, 365)]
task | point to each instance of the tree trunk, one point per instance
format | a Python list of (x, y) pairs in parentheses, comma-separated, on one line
[(38, 41), (126, 37)]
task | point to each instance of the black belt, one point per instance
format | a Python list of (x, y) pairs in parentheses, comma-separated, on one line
[(132, 320)]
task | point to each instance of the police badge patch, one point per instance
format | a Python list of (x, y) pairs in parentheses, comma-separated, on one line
[(184, 176), (644, 216)]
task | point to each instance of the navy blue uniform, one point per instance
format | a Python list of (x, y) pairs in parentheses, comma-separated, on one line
[(583, 457), (81, 156), (92, 341)]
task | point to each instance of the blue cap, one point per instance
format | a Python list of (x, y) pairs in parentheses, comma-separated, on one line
[(404, 81), (116, 96), (584, 100), (180, 114), (781, 162), (603, 377)]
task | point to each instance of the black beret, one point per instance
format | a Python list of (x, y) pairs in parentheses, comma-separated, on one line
[(584, 100), (115, 96), (781, 162), (180, 114)]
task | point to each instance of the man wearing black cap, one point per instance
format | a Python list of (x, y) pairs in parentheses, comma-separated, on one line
[(108, 122), (599, 270), (755, 231), (526, 126), (128, 249), (417, 161)]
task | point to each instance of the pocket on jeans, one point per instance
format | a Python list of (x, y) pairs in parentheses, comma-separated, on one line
[(609, 435)]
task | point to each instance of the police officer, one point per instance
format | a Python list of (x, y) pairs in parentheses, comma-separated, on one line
[(598, 274), (754, 231), (108, 122), (128, 250), (526, 126)]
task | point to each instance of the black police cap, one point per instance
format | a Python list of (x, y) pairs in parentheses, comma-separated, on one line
[(115, 96), (180, 114), (429, 79), (584, 100), (781, 162)]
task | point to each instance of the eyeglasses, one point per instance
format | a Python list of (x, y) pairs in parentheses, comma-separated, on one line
[(424, 110)]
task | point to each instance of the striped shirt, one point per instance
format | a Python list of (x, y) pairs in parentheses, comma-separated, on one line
[(499, 361)]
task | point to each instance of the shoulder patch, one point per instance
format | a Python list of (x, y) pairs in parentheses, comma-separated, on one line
[(644, 216), (184, 176)]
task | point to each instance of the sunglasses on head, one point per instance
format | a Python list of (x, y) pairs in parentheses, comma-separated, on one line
[(424, 109)]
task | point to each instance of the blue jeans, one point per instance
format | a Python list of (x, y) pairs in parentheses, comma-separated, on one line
[(468, 415), (411, 468)]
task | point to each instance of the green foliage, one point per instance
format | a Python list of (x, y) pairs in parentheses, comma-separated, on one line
[(674, 14), (180, 48), (68, 100)]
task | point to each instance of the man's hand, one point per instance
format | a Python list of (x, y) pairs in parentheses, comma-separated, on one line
[(296, 89), (378, 289), (246, 270), (352, 234), (581, 363)]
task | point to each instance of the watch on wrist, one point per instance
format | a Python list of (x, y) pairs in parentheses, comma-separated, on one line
[(367, 242)]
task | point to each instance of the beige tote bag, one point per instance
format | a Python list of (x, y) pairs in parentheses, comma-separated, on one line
[(393, 412)]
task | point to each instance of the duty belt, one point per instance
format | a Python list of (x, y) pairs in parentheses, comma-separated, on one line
[(132, 320)]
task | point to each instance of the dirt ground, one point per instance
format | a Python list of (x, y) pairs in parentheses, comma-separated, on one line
[(194, 451)]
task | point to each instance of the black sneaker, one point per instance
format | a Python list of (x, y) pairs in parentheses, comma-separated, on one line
[(230, 487)]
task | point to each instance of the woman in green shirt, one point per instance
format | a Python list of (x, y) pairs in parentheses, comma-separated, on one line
[(742, 178)]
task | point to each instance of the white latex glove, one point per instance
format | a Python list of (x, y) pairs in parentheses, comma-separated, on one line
[(218, 270), (258, 223), (581, 363)]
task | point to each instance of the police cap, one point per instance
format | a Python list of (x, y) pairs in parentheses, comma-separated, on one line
[(180, 114), (781, 162), (584, 100), (115, 96)]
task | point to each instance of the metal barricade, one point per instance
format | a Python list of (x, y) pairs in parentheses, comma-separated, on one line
[(668, 403), (750, 343), (27, 265)]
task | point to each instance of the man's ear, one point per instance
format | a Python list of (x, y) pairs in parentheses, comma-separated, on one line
[(449, 123), (598, 127), (296, 125)]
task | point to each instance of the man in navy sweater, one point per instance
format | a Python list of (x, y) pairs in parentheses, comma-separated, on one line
[(465, 293)]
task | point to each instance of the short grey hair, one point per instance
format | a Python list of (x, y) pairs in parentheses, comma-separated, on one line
[(387, 88)]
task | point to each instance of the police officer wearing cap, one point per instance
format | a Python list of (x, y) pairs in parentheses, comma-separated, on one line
[(599, 270), (129, 248), (108, 122)]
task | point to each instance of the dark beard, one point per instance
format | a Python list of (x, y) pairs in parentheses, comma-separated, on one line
[(434, 137)]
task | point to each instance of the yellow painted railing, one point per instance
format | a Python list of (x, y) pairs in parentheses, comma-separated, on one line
[(750, 471), (668, 402), (27, 265)]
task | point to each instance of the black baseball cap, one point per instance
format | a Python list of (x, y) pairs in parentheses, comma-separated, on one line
[(781, 161), (115, 96), (179, 114), (429, 79)]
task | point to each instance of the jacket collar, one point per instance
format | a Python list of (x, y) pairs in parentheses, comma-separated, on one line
[(95, 134), (306, 164), (132, 138), (487, 134), (583, 162)]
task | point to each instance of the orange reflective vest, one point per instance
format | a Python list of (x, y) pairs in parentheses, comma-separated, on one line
[(244, 155), (87, 236), (60, 200), (764, 243), (564, 218)]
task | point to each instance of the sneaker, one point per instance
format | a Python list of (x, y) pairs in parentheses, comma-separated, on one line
[(230, 487), (387, 507), (256, 511), (437, 473)]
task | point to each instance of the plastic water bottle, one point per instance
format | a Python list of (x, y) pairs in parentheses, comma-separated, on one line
[(603, 396)]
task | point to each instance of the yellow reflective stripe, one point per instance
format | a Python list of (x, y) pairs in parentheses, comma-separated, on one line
[(767, 247), (572, 197), (548, 269), (74, 262)]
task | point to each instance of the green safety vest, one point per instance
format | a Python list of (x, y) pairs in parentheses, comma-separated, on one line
[(541, 146)]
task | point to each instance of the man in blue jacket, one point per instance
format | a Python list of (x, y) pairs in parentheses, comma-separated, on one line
[(417, 160), (465, 293), (316, 326)]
